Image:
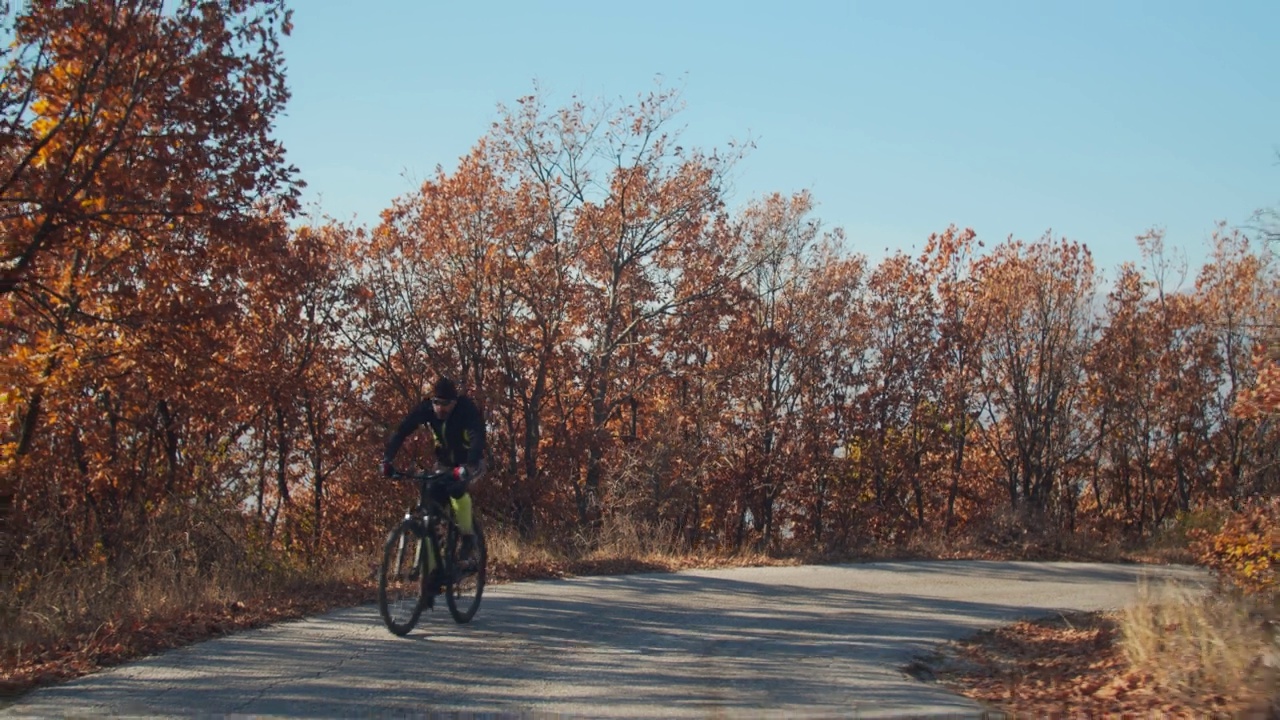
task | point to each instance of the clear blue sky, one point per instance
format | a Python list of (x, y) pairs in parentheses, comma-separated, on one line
[(1093, 119)]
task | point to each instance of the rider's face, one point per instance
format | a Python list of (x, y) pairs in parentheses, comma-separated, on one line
[(442, 407)]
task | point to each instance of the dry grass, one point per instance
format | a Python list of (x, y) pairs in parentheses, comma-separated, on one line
[(62, 615), (174, 570), (1201, 646), (1175, 653), (620, 545), (509, 556), (155, 615)]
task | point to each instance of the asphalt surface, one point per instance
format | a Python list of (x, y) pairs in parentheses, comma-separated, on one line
[(812, 641)]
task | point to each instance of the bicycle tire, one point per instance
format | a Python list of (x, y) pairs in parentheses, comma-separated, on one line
[(465, 587), (402, 578)]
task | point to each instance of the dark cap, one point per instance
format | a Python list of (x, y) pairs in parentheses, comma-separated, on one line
[(444, 389)]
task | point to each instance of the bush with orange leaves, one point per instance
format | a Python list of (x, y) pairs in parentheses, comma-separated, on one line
[(1245, 552)]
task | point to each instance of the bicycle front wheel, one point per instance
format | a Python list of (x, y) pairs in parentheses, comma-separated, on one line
[(402, 579), (467, 576)]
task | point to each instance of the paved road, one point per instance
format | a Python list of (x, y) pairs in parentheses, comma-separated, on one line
[(753, 642)]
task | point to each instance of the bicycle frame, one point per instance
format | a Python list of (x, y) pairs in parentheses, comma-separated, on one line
[(430, 516)]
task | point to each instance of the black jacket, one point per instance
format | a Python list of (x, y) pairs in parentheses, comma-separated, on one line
[(459, 440)]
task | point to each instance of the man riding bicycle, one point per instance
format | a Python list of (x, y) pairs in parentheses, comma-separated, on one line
[(458, 428)]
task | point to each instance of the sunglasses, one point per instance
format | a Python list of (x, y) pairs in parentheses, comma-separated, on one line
[(441, 402)]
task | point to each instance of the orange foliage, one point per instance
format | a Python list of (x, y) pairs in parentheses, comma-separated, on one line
[(641, 349), (142, 203), (1245, 552), (1263, 398)]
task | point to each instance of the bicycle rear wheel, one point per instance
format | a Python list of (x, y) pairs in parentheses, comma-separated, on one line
[(466, 583), (402, 579)]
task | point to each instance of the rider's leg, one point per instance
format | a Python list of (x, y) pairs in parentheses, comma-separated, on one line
[(462, 511), (462, 504), (466, 524)]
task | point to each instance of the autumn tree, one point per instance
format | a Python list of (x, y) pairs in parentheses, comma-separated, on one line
[(948, 262), (821, 500), (298, 376), (457, 283), (900, 399), (1037, 311), (545, 160), (782, 350), (140, 193), (1238, 290), (653, 249), (1151, 373), (546, 268)]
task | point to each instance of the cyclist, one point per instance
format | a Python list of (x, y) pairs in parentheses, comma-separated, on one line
[(458, 428)]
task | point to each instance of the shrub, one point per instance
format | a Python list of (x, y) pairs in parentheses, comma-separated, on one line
[(1245, 552)]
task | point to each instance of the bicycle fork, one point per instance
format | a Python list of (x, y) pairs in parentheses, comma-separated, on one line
[(419, 537), (424, 540)]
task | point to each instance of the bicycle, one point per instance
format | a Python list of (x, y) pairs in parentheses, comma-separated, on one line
[(420, 559)]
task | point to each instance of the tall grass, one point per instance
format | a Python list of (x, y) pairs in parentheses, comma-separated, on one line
[(1202, 645), (505, 546), (619, 543), (617, 537), (181, 564)]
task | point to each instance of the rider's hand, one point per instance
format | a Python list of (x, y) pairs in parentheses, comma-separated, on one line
[(461, 479), (387, 470)]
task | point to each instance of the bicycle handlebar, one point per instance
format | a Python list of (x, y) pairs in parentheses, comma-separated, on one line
[(429, 477), (433, 482)]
